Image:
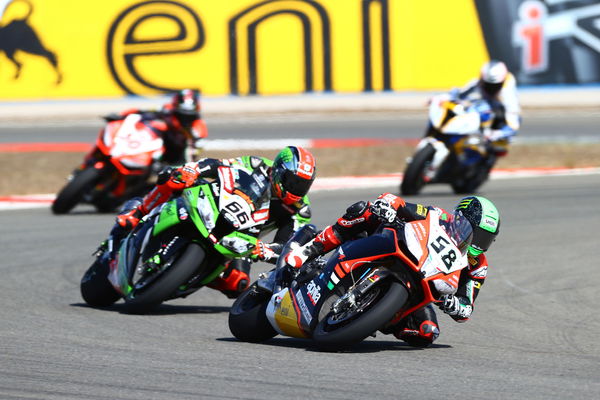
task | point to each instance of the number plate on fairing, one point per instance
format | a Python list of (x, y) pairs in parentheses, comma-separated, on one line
[(238, 210), (442, 254)]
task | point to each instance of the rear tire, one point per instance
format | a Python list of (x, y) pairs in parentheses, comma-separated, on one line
[(182, 269), (96, 289), (248, 320), (413, 180), (74, 190), (329, 336)]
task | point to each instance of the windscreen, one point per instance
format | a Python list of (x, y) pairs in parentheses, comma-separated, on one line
[(460, 231)]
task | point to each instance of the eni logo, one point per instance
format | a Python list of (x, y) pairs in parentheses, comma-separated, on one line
[(182, 32), (17, 35)]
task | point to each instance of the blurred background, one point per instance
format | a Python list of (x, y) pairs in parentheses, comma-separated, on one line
[(292, 69), (68, 49)]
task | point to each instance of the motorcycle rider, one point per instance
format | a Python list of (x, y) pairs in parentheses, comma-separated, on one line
[(498, 87), (290, 174), (420, 328), (178, 123)]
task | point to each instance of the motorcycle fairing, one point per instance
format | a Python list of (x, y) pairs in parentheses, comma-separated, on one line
[(427, 241), (286, 312), (357, 252), (121, 271), (198, 205), (293, 311), (130, 145)]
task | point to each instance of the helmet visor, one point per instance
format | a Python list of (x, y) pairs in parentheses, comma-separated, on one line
[(491, 89), (295, 185), (482, 239), (460, 231)]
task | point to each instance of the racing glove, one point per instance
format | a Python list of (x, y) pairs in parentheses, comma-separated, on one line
[(129, 219), (452, 306), (268, 252), (383, 210), (184, 176)]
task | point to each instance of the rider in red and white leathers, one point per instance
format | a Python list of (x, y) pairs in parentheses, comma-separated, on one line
[(420, 328), (178, 123)]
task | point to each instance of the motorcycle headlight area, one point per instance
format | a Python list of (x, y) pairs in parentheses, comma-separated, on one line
[(206, 212)]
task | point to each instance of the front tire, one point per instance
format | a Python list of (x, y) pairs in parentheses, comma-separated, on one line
[(413, 180), (74, 190), (96, 289), (334, 332), (470, 184), (248, 320), (163, 287)]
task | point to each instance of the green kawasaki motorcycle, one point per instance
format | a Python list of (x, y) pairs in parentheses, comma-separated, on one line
[(182, 245)]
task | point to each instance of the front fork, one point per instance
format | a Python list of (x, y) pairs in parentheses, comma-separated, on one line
[(440, 155), (350, 299)]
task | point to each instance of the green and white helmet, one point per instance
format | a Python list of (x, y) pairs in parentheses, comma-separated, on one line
[(485, 220)]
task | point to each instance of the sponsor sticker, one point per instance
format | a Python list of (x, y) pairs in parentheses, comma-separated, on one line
[(314, 292), (303, 307)]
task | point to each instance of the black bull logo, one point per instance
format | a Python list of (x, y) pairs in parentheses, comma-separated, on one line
[(18, 35)]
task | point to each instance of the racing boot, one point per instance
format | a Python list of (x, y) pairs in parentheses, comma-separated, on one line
[(420, 329), (234, 279)]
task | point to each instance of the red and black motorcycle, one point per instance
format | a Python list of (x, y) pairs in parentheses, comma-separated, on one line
[(125, 155), (367, 285)]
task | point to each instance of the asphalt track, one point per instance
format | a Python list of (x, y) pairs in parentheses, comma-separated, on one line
[(539, 125), (534, 333)]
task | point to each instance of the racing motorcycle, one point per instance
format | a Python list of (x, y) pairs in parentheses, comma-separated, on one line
[(118, 167), (180, 246), (367, 285), (456, 148)]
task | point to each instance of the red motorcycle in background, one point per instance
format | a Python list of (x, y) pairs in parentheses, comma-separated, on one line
[(118, 167)]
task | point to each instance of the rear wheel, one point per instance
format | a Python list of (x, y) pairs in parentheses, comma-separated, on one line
[(96, 289), (247, 317), (413, 180), (369, 313), (74, 190), (185, 264)]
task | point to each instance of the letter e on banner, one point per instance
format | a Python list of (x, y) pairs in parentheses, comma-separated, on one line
[(150, 29)]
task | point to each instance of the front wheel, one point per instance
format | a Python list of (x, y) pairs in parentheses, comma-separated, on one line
[(369, 313), (248, 319), (163, 287), (414, 180), (96, 289), (469, 183), (74, 190)]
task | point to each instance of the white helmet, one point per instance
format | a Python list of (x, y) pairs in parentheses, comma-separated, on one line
[(493, 75)]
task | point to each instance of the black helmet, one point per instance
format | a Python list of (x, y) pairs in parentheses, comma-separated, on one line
[(292, 174), (485, 220), (186, 106), (492, 77)]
